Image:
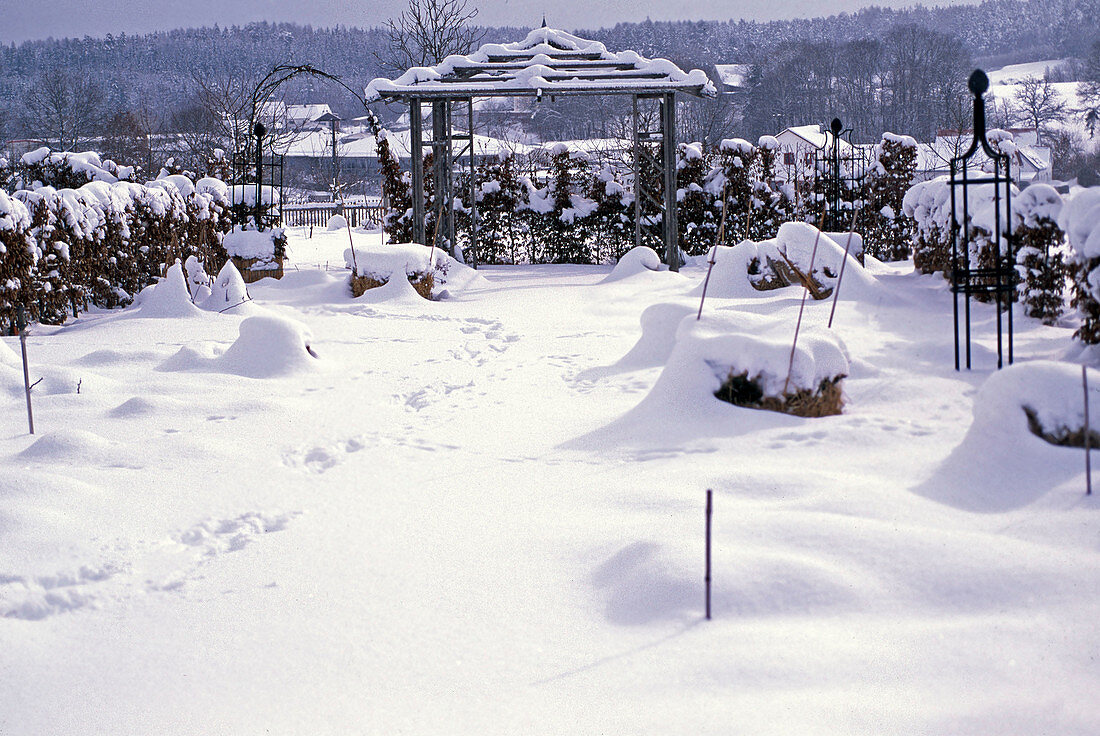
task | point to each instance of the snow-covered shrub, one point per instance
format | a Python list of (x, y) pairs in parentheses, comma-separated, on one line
[(501, 231), (396, 186), (18, 256), (697, 213), (1080, 220), (104, 242), (67, 169), (887, 230), (559, 211), (1040, 258), (747, 362), (929, 204), (744, 181), (732, 182), (610, 224)]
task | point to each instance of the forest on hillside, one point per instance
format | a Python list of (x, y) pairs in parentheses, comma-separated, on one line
[(879, 69)]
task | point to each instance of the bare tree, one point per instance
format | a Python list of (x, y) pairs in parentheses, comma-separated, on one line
[(63, 108), (707, 122), (196, 134), (1088, 92), (1040, 103), (429, 31)]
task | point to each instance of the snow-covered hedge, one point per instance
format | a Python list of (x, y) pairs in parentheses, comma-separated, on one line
[(929, 204), (887, 230), (1080, 219), (103, 241)]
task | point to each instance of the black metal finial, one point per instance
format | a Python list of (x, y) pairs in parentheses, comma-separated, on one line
[(259, 131), (978, 83), (836, 126), (544, 20)]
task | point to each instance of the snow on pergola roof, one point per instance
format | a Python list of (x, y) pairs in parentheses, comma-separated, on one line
[(547, 62)]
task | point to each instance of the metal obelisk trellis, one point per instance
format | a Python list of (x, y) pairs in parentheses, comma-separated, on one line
[(838, 169), (969, 275)]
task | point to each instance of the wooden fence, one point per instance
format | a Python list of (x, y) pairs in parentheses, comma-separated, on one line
[(317, 215)]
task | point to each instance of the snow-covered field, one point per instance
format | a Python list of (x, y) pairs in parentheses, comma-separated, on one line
[(1005, 84), (473, 516)]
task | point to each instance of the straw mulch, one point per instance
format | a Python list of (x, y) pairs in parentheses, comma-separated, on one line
[(1062, 436), (422, 285), (740, 390), (244, 265), (783, 273)]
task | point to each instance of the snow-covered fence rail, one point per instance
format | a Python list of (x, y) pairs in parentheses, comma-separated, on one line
[(317, 215)]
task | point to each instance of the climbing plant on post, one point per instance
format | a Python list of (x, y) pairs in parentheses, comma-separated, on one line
[(396, 187)]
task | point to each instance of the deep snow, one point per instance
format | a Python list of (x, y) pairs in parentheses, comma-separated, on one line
[(457, 519)]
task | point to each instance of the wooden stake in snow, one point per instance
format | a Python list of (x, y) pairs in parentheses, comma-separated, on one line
[(706, 579), (805, 291), (1088, 439), (26, 368), (843, 263)]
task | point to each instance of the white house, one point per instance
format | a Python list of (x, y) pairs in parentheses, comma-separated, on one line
[(1030, 162), (797, 147)]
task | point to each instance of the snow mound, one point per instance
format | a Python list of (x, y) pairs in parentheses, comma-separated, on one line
[(659, 325), (268, 347), (168, 298), (640, 259), (1002, 464), (395, 290), (107, 356), (72, 446), (228, 293), (682, 403), (138, 406), (456, 279), (8, 356), (746, 269), (337, 222)]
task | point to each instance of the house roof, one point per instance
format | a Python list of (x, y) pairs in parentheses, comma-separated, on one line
[(547, 61), (812, 135), (318, 144), (733, 75)]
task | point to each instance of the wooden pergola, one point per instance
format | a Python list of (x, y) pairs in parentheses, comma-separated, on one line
[(548, 63)]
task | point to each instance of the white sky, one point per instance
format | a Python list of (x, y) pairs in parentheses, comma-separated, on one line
[(28, 19)]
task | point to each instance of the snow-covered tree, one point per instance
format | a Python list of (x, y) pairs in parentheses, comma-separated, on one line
[(1040, 259)]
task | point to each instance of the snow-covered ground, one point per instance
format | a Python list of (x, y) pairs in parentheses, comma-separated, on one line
[(474, 516), (1005, 84)]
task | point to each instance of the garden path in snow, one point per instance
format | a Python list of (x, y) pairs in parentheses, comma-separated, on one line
[(433, 528)]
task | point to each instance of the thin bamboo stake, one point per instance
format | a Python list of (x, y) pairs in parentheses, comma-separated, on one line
[(1088, 438), (805, 291), (26, 368), (843, 263), (714, 250), (710, 512)]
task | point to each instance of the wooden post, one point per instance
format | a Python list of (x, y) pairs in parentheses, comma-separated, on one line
[(416, 135), (26, 368), (668, 150), (706, 579), (1088, 438)]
